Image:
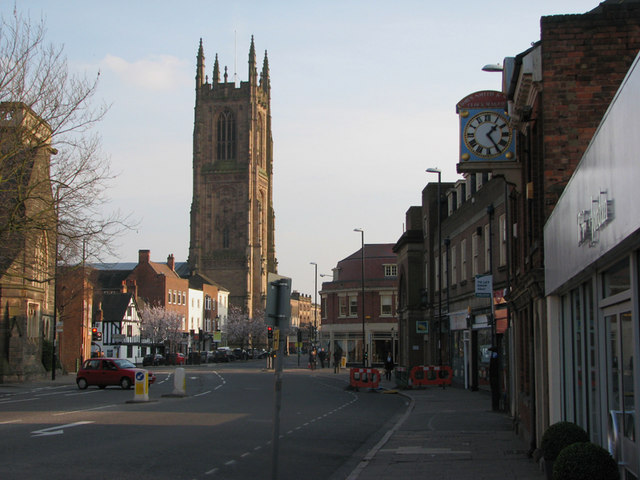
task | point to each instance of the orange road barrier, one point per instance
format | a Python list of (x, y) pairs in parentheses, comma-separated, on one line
[(431, 375), (364, 377)]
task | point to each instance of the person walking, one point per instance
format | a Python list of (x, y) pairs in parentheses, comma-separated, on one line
[(388, 366), (337, 359), (312, 358), (321, 355)]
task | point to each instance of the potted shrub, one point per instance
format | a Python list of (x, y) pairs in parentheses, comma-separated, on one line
[(555, 438), (585, 460)]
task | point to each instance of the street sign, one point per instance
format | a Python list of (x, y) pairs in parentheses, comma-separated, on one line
[(278, 311), (484, 286)]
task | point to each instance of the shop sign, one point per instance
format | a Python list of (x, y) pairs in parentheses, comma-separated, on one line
[(590, 222)]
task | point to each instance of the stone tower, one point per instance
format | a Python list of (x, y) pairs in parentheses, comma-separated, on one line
[(232, 219)]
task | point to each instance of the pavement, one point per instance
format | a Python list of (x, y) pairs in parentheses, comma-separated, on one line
[(448, 433), (444, 433)]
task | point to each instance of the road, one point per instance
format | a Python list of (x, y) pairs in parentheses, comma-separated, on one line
[(222, 429)]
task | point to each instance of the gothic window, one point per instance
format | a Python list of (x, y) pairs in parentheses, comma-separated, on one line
[(225, 237), (40, 261), (260, 143), (33, 318), (226, 136)]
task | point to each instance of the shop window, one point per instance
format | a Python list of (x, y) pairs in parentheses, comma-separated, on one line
[(616, 279)]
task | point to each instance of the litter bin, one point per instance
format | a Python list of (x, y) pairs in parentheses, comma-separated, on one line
[(343, 362)]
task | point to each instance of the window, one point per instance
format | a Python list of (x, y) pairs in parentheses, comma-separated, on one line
[(225, 237), (33, 330), (353, 305), (391, 270), (343, 306), (463, 260), (436, 265), (474, 254), (129, 330), (386, 303), (226, 136), (487, 249), (502, 225), (454, 265)]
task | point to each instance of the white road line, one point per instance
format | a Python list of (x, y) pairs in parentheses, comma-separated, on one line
[(83, 410), (11, 421), (212, 471), (203, 393)]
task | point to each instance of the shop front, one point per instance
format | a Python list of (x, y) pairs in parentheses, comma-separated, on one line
[(592, 251)]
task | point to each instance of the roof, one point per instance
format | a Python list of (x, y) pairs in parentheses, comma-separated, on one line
[(375, 256), (114, 306)]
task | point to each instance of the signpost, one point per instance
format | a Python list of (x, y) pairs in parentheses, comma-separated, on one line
[(277, 315)]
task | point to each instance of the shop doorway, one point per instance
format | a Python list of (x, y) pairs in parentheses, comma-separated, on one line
[(621, 434)]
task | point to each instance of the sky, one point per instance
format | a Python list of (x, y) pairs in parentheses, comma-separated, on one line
[(363, 96)]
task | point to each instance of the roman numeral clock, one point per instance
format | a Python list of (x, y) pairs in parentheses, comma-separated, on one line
[(485, 131)]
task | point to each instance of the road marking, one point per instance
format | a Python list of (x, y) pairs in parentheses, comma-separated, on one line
[(11, 421), (58, 430), (83, 410), (245, 454), (203, 393), (4, 402), (230, 462), (212, 471)]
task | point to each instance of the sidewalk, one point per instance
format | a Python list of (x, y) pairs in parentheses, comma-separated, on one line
[(447, 434)]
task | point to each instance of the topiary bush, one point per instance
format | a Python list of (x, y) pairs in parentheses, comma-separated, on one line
[(561, 435), (585, 460)]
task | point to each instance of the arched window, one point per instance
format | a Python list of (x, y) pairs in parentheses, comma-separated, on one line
[(226, 136), (225, 237)]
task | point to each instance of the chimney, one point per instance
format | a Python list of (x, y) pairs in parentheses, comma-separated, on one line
[(144, 256), (171, 262), (132, 287)]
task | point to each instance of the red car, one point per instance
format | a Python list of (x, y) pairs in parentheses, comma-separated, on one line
[(174, 359), (109, 371)]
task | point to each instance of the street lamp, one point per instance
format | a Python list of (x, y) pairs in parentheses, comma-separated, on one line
[(435, 170), (364, 354), (315, 302)]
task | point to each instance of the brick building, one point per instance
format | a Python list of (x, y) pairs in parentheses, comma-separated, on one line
[(342, 305), (558, 91), (232, 218)]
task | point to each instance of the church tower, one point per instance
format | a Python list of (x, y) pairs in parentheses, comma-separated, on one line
[(232, 220)]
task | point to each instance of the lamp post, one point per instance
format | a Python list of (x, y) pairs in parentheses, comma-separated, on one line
[(364, 354), (435, 170), (315, 302)]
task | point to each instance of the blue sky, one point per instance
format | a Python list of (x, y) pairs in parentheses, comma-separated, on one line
[(363, 101)]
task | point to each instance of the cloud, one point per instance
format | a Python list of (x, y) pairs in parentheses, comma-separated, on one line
[(159, 73)]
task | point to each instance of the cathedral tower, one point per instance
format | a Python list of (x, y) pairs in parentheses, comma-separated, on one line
[(232, 219)]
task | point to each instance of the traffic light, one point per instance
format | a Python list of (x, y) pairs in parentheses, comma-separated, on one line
[(96, 335), (269, 333)]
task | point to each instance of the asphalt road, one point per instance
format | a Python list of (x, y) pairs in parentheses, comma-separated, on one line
[(222, 429)]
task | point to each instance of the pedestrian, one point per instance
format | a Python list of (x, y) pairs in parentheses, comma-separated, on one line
[(321, 355), (388, 366), (312, 358), (337, 359)]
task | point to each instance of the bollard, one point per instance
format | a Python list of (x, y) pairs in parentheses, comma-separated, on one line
[(180, 382), (141, 391)]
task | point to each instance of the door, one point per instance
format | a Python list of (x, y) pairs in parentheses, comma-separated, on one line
[(621, 387)]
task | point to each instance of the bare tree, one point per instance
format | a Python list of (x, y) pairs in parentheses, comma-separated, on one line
[(160, 325), (34, 77), (243, 330)]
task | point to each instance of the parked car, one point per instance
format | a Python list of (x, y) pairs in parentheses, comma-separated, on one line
[(155, 359), (223, 355), (175, 359), (240, 354), (258, 353), (109, 371)]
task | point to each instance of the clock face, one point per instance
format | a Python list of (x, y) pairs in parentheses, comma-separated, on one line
[(487, 134)]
